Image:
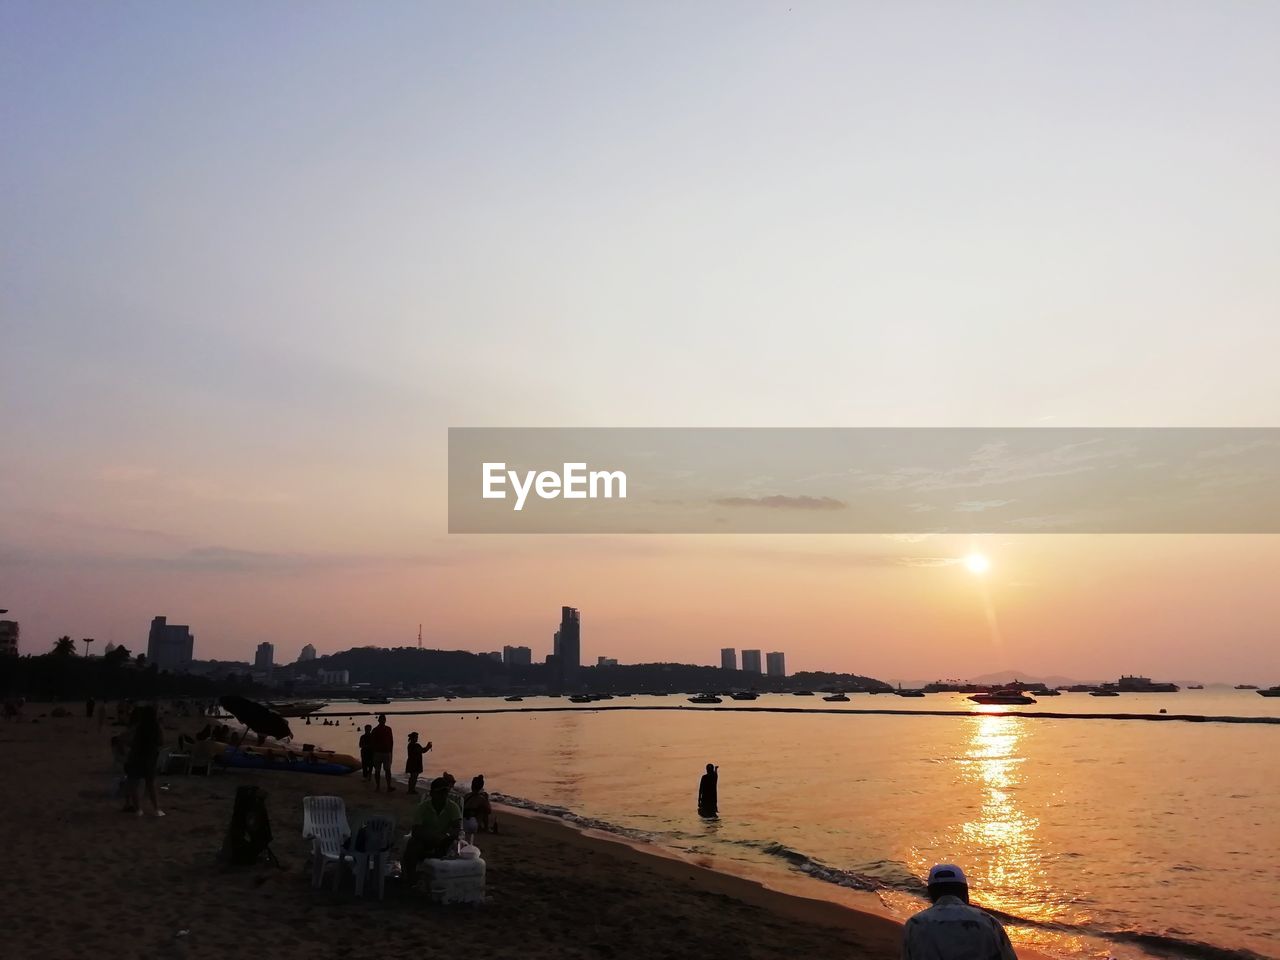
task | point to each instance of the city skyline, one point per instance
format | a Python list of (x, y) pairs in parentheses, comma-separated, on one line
[(824, 217)]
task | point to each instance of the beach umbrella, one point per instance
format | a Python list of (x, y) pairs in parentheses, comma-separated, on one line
[(256, 717)]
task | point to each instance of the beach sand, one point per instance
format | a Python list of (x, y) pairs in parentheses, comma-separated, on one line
[(86, 880)]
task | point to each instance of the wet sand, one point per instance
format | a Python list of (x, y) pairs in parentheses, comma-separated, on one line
[(85, 879)]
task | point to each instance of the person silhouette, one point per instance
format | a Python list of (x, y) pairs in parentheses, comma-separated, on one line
[(708, 792)]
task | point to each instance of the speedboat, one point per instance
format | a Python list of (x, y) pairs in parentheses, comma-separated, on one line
[(705, 698), (748, 695), (837, 698), (297, 708), (1103, 693), (514, 699), (581, 698), (909, 693), (1002, 696), (1246, 686)]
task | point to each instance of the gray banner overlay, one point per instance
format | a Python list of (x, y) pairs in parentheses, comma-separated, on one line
[(864, 480)]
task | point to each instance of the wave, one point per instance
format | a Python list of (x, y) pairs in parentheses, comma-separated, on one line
[(888, 875)]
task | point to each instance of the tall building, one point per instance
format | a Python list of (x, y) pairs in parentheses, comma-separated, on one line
[(308, 653), (8, 638), (170, 646), (776, 663), (265, 658), (569, 642), (750, 661), (606, 661), (494, 655), (728, 658), (517, 656)]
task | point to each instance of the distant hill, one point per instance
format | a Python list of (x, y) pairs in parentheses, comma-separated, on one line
[(1008, 676)]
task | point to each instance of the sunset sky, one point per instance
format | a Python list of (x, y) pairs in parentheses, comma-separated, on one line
[(256, 259)]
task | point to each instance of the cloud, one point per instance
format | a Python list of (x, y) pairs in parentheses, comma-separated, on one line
[(978, 506), (781, 502)]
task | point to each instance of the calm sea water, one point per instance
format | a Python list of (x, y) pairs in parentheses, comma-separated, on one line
[(1090, 837)]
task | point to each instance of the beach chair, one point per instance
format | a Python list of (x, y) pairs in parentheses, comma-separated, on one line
[(324, 823), (377, 836), (202, 752)]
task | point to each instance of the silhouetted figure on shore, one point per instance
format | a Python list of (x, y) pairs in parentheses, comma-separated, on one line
[(708, 792), (366, 752), (951, 929)]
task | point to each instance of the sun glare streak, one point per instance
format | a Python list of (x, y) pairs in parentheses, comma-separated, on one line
[(977, 563)]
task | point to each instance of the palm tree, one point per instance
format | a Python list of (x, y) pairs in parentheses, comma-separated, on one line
[(64, 647)]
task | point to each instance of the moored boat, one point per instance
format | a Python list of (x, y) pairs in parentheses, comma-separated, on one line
[(747, 695), (705, 698), (1002, 696), (837, 698), (297, 708), (1269, 692)]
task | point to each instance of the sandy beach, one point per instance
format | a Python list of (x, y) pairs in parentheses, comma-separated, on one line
[(88, 878)]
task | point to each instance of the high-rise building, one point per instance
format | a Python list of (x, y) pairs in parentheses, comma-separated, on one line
[(517, 656), (750, 661), (8, 638), (776, 664), (728, 658), (606, 661), (494, 655), (335, 678), (569, 642), (265, 658), (308, 653), (170, 646)]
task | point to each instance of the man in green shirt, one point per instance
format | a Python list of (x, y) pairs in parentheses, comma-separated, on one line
[(437, 821)]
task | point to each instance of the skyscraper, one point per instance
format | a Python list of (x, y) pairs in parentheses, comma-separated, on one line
[(517, 656), (264, 659), (750, 661), (728, 658), (569, 643), (776, 664), (308, 653), (170, 646)]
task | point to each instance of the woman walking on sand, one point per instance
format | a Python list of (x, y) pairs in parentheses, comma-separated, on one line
[(140, 763)]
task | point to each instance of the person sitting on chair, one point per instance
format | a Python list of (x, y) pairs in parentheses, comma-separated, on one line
[(476, 812), (437, 822)]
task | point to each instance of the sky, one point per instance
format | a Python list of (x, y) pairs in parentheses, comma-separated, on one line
[(256, 259)]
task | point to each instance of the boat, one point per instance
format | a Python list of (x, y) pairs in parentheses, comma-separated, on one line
[(297, 708), (285, 759), (1103, 692), (374, 700), (581, 698), (837, 698), (1002, 696), (705, 698), (1195, 686), (1246, 686), (514, 699), (909, 693), (1269, 692), (1127, 684), (802, 693), (748, 695)]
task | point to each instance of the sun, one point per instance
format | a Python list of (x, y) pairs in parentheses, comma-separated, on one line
[(977, 563)]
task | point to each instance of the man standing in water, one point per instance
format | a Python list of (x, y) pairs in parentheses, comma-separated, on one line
[(708, 792), (951, 929)]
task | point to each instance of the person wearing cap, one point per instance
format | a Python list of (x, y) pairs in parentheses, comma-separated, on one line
[(437, 821), (951, 929)]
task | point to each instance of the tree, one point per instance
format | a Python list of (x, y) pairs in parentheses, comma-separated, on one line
[(116, 657), (142, 659), (64, 647)]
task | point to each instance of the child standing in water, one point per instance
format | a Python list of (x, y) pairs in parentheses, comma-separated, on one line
[(413, 763)]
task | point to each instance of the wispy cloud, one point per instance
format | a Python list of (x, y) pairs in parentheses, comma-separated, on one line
[(781, 502)]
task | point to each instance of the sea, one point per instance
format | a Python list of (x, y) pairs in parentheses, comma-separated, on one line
[(1087, 836)]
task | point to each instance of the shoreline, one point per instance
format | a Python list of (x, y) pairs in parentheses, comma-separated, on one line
[(152, 888)]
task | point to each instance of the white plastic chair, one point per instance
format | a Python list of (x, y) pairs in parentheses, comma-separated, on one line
[(324, 823), (379, 840)]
